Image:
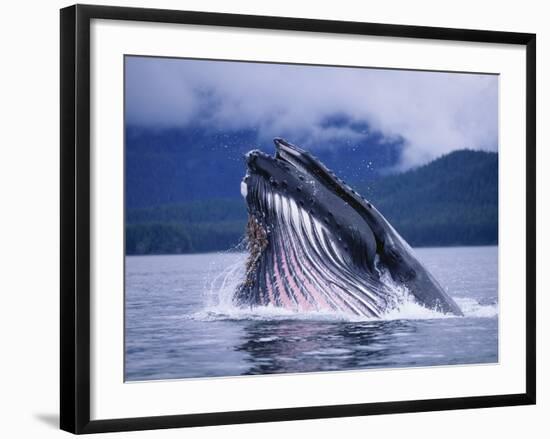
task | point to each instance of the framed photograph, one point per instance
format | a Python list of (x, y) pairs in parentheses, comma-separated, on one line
[(268, 218)]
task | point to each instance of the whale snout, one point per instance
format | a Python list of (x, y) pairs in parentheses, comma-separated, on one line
[(251, 156), (256, 158)]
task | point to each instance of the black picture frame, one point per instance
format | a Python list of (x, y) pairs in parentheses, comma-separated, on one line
[(75, 217)]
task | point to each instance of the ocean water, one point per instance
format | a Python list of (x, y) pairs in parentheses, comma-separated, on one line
[(179, 322)]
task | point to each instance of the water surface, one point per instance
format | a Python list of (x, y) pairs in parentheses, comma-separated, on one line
[(179, 322)]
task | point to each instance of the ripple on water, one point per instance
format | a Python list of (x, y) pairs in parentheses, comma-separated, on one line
[(176, 327)]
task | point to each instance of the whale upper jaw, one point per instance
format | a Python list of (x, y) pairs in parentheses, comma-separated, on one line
[(286, 150)]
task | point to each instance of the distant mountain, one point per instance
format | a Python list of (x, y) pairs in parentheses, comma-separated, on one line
[(450, 201), (179, 165)]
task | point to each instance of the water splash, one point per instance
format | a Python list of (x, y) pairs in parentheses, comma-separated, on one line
[(222, 284), (220, 288), (473, 308)]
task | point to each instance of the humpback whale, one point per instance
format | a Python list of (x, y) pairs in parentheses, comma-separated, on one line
[(315, 244)]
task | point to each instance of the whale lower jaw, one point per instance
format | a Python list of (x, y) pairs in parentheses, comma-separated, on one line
[(295, 263)]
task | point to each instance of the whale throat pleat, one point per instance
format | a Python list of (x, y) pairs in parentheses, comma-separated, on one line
[(301, 266)]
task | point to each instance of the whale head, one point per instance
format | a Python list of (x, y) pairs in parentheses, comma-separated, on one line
[(316, 244)]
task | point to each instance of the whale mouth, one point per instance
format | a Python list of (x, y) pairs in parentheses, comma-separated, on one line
[(316, 245)]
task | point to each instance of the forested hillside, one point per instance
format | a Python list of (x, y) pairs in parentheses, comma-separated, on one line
[(181, 165), (450, 201)]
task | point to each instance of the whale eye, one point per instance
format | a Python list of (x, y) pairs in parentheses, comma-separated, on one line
[(298, 189), (301, 203), (284, 184), (301, 177), (273, 182), (326, 220)]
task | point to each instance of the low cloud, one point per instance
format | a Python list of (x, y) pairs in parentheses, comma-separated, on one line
[(434, 113)]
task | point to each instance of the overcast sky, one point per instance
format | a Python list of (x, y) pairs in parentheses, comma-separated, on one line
[(433, 112)]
